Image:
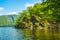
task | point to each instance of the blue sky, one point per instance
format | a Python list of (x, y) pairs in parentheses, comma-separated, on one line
[(15, 6)]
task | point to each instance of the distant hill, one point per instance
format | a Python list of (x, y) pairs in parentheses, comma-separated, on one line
[(8, 20)]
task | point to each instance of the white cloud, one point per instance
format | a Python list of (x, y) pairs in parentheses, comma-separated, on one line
[(1, 8), (11, 13), (30, 4), (27, 5)]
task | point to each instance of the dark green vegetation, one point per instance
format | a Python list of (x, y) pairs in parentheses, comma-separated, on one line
[(8, 20), (42, 15)]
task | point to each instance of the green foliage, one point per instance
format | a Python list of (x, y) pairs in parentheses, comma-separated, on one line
[(47, 10)]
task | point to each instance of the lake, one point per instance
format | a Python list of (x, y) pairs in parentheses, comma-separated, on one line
[(11, 33)]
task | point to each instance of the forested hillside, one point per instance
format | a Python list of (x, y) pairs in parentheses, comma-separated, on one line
[(7, 20), (42, 15)]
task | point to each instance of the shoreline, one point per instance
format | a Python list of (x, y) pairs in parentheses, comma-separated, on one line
[(6, 26)]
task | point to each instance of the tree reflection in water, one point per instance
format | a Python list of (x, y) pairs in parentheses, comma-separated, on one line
[(41, 34)]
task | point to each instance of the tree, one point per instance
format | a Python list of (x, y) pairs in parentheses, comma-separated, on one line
[(49, 11)]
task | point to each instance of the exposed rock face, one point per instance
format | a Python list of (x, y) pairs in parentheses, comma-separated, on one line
[(35, 22)]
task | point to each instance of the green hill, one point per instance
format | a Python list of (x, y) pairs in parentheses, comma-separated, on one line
[(8, 20)]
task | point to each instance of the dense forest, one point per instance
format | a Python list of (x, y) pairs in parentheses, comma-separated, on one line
[(8, 20), (45, 15)]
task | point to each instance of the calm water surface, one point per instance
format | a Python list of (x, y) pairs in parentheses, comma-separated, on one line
[(10, 33)]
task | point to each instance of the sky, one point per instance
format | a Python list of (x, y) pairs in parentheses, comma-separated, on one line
[(8, 7)]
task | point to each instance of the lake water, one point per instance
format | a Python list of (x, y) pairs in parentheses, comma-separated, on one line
[(10, 33)]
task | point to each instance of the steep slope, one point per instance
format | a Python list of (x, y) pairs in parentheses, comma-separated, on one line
[(8, 20)]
